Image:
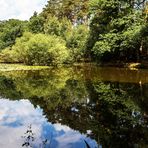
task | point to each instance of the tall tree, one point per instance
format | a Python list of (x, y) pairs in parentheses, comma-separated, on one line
[(115, 29), (76, 11), (36, 23)]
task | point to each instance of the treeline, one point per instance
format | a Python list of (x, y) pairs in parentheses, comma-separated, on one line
[(74, 31)]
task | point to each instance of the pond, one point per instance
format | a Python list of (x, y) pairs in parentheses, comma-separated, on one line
[(74, 107)]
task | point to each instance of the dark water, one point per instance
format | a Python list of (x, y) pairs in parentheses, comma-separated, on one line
[(79, 107)]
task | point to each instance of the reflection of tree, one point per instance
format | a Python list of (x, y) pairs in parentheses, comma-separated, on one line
[(139, 94), (112, 117), (29, 138), (114, 112), (36, 83), (8, 88)]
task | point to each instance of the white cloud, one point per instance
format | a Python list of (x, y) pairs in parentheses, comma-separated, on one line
[(16, 116), (20, 9)]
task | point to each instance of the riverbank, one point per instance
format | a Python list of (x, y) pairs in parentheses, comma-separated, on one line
[(11, 67), (132, 66)]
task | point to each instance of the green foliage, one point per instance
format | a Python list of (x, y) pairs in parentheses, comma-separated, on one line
[(38, 49), (7, 56), (19, 52), (75, 36), (76, 11), (76, 40), (115, 30), (126, 42), (131, 37), (54, 26), (36, 24), (145, 39), (9, 31), (102, 12)]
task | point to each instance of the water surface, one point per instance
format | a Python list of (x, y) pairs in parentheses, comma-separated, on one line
[(76, 107)]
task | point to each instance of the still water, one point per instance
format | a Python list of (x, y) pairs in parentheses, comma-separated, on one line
[(76, 107)]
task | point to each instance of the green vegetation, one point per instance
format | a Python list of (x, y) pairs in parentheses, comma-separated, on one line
[(37, 49), (9, 31), (18, 67), (116, 30), (82, 30)]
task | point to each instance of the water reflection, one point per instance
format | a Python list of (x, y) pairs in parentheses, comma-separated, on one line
[(22, 125), (69, 107)]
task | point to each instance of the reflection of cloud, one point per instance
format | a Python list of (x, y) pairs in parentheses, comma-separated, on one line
[(20, 111), (71, 138), (20, 9), (16, 116)]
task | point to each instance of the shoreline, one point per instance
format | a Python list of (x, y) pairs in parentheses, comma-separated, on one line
[(20, 66)]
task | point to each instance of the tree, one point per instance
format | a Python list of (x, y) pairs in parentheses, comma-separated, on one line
[(54, 26), (10, 30), (75, 36), (115, 30), (36, 23), (75, 41), (76, 11)]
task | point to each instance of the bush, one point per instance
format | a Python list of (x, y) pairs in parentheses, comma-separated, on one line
[(39, 49), (7, 56), (45, 50)]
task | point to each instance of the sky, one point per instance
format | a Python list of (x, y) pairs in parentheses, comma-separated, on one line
[(20, 9)]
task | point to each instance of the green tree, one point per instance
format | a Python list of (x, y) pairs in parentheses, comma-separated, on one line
[(54, 26), (76, 40), (115, 30), (36, 23), (75, 36), (10, 30), (76, 11)]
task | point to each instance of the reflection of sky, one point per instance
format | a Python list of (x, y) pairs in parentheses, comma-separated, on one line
[(16, 116)]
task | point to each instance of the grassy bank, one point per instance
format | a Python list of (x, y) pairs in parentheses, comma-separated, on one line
[(17, 67), (11, 67)]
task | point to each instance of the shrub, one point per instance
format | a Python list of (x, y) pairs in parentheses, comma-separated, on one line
[(7, 56), (38, 49)]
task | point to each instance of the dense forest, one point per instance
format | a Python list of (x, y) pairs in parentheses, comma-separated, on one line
[(76, 31)]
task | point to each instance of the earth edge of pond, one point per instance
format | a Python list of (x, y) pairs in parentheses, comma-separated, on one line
[(132, 66)]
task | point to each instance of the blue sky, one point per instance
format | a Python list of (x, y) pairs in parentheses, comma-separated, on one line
[(20, 9)]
